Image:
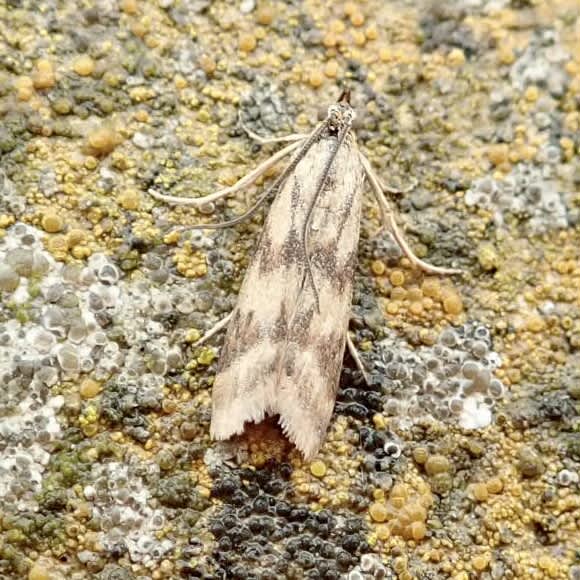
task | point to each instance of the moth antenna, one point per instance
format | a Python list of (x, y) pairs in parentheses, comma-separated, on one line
[(345, 96), (241, 184), (274, 187), (322, 182)]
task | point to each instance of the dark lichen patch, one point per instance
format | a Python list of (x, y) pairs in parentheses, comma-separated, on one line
[(127, 405), (29, 531), (114, 572), (178, 492), (261, 531), (444, 27)]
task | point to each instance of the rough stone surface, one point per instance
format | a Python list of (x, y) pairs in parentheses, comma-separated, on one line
[(461, 456)]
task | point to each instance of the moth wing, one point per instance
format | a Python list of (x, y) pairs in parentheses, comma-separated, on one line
[(309, 377), (281, 356)]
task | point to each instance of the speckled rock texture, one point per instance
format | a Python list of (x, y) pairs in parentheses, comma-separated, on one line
[(459, 459)]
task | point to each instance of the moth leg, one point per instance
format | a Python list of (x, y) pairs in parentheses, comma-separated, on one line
[(356, 357), (214, 330), (426, 267), (238, 186), (388, 218), (266, 140)]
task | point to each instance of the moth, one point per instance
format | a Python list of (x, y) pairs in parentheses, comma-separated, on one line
[(286, 337)]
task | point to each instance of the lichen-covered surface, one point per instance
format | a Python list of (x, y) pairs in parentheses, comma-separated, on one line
[(461, 457)]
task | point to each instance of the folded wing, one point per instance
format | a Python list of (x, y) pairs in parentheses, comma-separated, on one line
[(280, 355)]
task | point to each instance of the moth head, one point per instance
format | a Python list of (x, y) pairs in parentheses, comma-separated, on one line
[(341, 114)]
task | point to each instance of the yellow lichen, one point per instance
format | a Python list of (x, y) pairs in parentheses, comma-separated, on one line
[(44, 76), (103, 141), (52, 223), (397, 278), (265, 15), (315, 78), (84, 65), (89, 388), (248, 42), (318, 468), (436, 464)]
